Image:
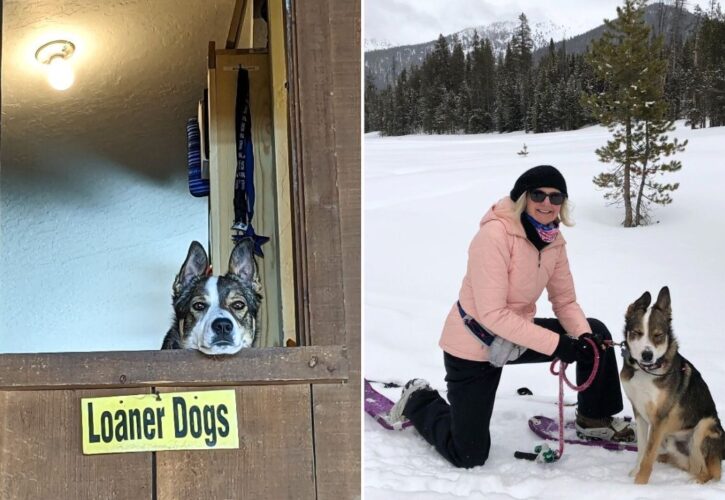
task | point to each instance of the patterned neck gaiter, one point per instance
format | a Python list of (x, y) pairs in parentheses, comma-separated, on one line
[(547, 232)]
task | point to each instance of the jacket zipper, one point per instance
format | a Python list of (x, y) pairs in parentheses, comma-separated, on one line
[(545, 248)]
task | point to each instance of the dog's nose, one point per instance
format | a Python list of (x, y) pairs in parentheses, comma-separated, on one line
[(647, 356), (223, 328)]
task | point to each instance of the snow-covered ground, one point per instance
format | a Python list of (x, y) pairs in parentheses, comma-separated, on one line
[(423, 198)]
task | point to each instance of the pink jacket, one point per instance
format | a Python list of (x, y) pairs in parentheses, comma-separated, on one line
[(506, 275)]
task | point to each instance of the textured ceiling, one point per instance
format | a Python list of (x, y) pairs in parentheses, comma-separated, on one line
[(140, 69)]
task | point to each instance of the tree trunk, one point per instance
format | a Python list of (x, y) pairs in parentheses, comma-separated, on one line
[(640, 191), (627, 166)]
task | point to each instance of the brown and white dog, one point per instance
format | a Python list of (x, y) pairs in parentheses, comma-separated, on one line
[(216, 314), (677, 422)]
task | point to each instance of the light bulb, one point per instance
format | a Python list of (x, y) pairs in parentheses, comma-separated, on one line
[(60, 74)]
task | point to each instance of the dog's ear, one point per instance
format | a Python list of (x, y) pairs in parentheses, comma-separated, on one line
[(641, 303), (242, 262), (196, 264), (664, 302)]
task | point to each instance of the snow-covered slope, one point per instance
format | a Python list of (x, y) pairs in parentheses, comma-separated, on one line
[(424, 196)]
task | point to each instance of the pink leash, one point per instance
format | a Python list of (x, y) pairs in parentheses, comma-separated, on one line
[(563, 378)]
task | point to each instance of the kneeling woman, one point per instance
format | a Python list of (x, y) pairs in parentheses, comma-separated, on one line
[(517, 253)]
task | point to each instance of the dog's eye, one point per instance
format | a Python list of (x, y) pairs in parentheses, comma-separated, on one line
[(199, 306), (238, 305)]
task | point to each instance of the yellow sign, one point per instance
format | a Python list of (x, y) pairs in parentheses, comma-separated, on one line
[(169, 421)]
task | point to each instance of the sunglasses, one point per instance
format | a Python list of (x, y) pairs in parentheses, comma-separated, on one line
[(539, 196)]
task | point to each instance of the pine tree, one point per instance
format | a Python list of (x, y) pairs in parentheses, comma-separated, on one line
[(400, 107), (387, 118), (481, 84), (712, 52), (541, 110), (498, 111), (703, 70), (651, 134), (509, 112), (675, 77), (433, 84), (372, 117), (631, 104), (413, 99), (455, 80), (521, 51), (456, 68), (579, 76), (488, 85), (694, 102)]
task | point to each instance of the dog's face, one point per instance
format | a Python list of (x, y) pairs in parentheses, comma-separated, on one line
[(647, 330), (217, 314)]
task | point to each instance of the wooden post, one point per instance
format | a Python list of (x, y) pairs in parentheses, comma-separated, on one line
[(280, 110), (222, 170), (241, 28)]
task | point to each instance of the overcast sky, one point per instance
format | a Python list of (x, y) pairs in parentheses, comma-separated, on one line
[(403, 22)]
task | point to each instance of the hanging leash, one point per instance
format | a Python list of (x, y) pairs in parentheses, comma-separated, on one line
[(578, 388), (542, 453), (244, 195)]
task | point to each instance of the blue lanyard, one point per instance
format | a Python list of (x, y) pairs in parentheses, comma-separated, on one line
[(244, 178)]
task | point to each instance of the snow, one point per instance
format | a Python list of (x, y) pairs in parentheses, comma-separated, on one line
[(375, 44), (423, 198)]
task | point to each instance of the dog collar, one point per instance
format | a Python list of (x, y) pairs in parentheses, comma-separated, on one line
[(650, 368)]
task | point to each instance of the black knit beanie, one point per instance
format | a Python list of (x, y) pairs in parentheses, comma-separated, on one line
[(538, 177)]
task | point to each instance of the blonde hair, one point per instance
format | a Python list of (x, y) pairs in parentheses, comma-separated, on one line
[(564, 213)]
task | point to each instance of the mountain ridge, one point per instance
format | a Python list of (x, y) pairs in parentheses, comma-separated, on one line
[(383, 65)]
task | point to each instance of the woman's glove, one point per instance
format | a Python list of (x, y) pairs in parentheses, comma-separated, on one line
[(597, 339), (570, 349), (501, 351)]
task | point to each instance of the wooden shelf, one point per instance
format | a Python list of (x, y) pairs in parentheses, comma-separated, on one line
[(177, 368)]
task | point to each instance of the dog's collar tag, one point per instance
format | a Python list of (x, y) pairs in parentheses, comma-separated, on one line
[(625, 352)]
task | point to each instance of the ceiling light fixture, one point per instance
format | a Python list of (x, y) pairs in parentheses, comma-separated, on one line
[(56, 54)]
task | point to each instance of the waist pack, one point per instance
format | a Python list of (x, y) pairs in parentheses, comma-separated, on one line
[(500, 350)]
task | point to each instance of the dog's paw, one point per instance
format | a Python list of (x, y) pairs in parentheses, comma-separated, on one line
[(703, 477), (634, 471), (641, 478)]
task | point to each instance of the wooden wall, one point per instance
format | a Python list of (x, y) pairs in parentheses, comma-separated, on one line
[(40, 451), (275, 458), (40, 424), (326, 101)]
